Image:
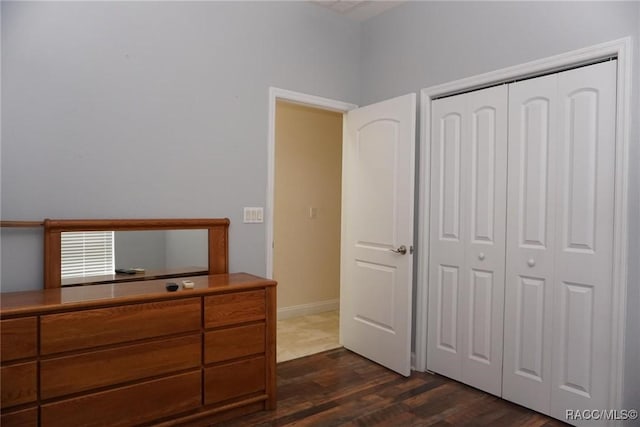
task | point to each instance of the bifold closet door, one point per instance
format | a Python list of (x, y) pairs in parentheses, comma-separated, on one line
[(533, 147), (559, 240), (467, 233)]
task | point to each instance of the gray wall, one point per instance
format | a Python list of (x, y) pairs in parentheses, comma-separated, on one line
[(152, 109), (421, 44), (140, 249), (186, 248)]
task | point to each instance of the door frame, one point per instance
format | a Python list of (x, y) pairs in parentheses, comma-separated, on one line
[(620, 49), (277, 94)]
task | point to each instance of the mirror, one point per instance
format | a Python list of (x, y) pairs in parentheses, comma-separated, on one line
[(161, 249), (108, 256), (83, 252)]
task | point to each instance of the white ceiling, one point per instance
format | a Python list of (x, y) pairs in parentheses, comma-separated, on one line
[(358, 10)]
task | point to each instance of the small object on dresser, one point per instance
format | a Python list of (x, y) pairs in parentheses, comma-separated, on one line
[(172, 287), (187, 284)]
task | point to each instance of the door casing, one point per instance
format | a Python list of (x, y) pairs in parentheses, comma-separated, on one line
[(620, 49)]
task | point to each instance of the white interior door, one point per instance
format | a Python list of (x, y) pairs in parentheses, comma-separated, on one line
[(467, 237), (530, 241), (377, 231), (584, 243), (446, 231), (559, 246), (482, 293)]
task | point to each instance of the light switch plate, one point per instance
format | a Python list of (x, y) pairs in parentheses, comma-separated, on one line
[(253, 215)]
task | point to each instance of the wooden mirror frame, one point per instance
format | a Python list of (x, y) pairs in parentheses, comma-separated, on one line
[(218, 246)]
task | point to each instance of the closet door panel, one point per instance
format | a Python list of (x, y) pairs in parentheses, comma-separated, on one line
[(447, 254), (468, 209), (530, 242), (586, 156), (482, 293)]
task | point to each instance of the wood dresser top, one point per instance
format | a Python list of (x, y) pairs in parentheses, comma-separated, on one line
[(14, 304)]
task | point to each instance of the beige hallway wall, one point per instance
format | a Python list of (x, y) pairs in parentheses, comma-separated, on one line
[(308, 169)]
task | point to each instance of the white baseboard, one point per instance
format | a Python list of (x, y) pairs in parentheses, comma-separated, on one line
[(305, 309)]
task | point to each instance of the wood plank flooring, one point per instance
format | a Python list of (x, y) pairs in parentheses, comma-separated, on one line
[(340, 388)]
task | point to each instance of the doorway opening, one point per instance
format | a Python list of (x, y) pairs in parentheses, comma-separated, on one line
[(306, 228)]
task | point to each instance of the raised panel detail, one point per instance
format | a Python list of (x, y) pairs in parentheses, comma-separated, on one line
[(534, 179), (480, 319), (373, 299), (448, 308), (581, 171), (577, 333), (376, 164), (483, 142), (450, 139), (530, 326)]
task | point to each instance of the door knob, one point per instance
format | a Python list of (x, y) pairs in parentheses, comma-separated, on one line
[(531, 262), (481, 256), (401, 250)]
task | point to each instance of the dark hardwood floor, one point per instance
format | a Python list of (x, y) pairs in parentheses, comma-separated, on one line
[(340, 388)]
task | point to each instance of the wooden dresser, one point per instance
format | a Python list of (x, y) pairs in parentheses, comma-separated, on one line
[(134, 354)]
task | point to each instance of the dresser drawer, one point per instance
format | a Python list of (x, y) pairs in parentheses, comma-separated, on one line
[(19, 384), (129, 405), (18, 338), (233, 380), (72, 374), (227, 309), (231, 343), (91, 328), (23, 418)]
